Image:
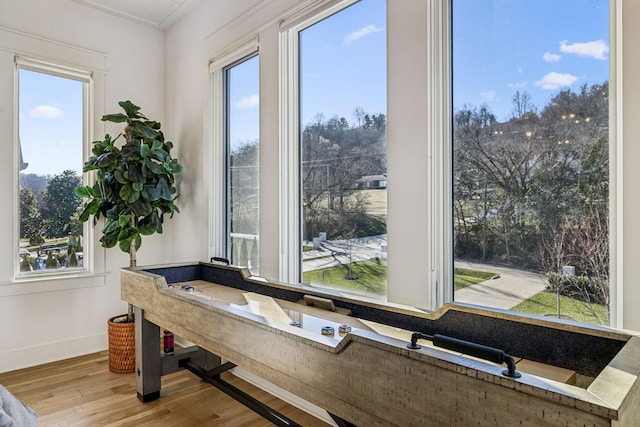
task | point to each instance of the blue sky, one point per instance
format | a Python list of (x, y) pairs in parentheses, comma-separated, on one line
[(50, 123), (534, 46), (343, 63), (500, 46), (343, 66), (244, 115)]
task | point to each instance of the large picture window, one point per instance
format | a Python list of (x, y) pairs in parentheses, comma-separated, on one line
[(242, 123), (342, 137), (52, 120), (531, 156)]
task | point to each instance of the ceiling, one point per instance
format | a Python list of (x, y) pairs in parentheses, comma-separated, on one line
[(155, 13)]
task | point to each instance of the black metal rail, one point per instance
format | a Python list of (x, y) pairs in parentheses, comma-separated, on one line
[(491, 354), (213, 377)]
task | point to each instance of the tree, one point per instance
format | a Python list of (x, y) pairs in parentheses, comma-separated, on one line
[(60, 202), (334, 157), (244, 194), (538, 175), (135, 185), (37, 184), (522, 105), (31, 225)]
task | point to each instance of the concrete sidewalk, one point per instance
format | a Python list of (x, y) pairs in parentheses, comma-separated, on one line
[(505, 292)]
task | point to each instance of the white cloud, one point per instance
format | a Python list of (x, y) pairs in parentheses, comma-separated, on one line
[(553, 81), (518, 85), (250, 101), (358, 34), (551, 57), (489, 95), (596, 49), (46, 112)]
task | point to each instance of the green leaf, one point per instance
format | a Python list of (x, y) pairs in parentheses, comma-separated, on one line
[(105, 160), (134, 174), (110, 239), (128, 194), (144, 131), (145, 151), (131, 148), (90, 208), (141, 207), (125, 245), (125, 220), (147, 228), (115, 118), (163, 188), (127, 233), (152, 223), (173, 167), (111, 226), (114, 212), (157, 220), (151, 193), (84, 191), (119, 176), (156, 168), (131, 109)]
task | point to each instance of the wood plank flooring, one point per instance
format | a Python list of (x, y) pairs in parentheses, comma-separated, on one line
[(82, 392)]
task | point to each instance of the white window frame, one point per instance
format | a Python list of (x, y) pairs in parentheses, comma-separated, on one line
[(218, 207), (290, 260), (419, 38), (428, 215), (615, 160), (86, 78)]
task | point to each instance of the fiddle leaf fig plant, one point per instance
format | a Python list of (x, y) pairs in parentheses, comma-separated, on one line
[(135, 184)]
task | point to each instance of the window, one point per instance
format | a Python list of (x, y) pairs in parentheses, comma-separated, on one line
[(531, 156), (242, 145), (342, 144), (52, 105)]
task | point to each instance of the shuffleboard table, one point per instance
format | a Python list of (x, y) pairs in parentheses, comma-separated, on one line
[(370, 363)]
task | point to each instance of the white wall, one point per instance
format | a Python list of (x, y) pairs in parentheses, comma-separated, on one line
[(206, 33), (45, 321)]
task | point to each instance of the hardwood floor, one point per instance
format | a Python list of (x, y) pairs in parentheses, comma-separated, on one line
[(82, 392)]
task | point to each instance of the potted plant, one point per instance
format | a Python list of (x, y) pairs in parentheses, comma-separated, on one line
[(133, 191)]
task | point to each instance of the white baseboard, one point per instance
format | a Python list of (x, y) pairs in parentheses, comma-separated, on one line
[(27, 357), (273, 389)]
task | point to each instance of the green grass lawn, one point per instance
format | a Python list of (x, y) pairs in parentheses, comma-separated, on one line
[(545, 304), (463, 277), (371, 277)]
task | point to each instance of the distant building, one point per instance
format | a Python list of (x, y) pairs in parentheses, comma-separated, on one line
[(372, 182)]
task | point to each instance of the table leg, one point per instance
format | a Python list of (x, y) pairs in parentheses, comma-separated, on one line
[(148, 358)]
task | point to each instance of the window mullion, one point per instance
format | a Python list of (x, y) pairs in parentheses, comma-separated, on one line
[(290, 259)]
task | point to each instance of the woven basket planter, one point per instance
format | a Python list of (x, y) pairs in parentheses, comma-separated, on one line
[(122, 346)]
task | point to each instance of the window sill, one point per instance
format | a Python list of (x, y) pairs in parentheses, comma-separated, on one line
[(51, 283)]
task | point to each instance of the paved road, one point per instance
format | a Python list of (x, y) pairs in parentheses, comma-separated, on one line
[(505, 292), (510, 289), (336, 252)]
